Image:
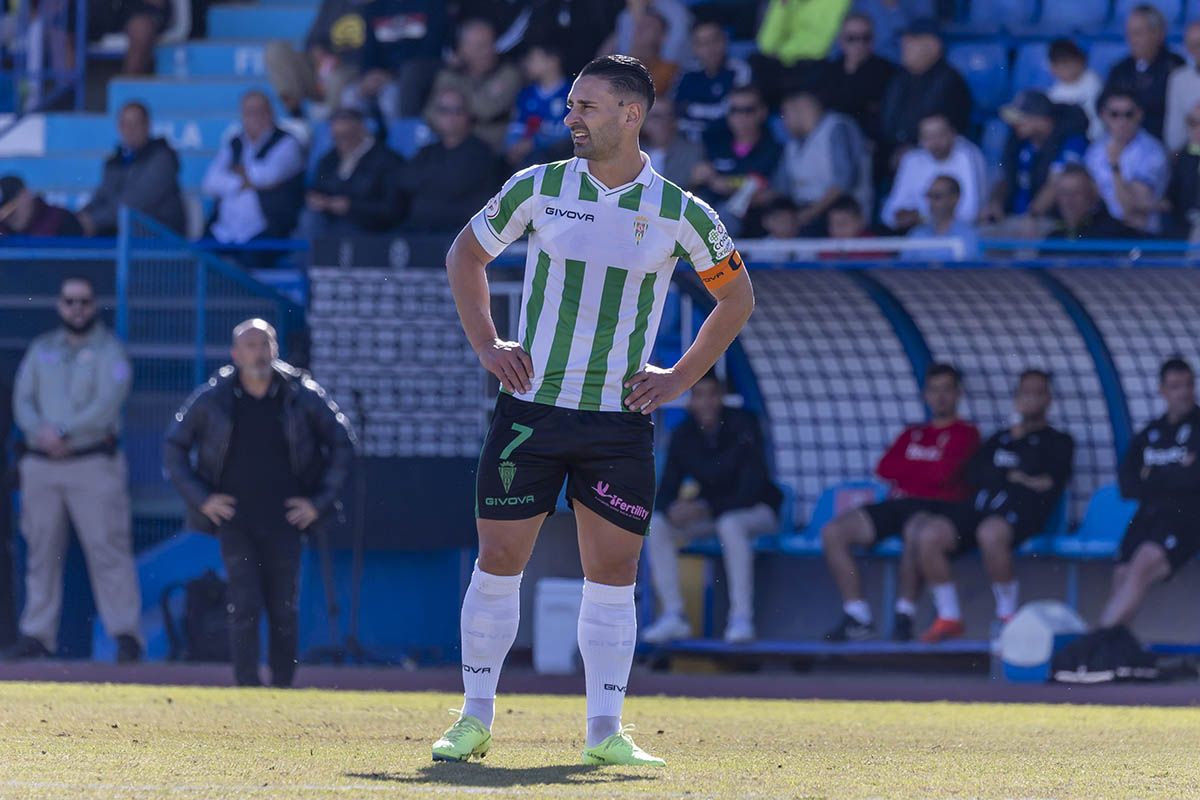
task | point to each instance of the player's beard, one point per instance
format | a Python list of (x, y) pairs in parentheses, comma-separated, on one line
[(591, 147)]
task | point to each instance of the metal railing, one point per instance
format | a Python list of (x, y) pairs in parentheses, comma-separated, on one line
[(47, 50)]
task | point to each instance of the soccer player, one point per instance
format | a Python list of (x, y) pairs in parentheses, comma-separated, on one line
[(926, 467), (1018, 475), (1160, 471), (576, 390)]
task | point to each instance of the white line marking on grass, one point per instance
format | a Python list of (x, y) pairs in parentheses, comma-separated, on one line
[(406, 787)]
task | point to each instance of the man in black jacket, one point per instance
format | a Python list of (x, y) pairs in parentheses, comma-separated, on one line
[(1082, 215), (1019, 476), (1162, 473), (270, 452), (1144, 72), (715, 481), (357, 186), (927, 85), (143, 174), (855, 82)]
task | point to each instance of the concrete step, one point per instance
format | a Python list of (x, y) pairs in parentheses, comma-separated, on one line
[(198, 96), (219, 59)]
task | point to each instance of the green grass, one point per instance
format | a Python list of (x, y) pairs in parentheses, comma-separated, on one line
[(100, 741)]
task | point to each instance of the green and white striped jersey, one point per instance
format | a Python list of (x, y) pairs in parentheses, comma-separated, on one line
[(596, 277)]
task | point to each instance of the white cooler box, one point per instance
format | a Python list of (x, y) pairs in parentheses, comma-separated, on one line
[(555, 625)]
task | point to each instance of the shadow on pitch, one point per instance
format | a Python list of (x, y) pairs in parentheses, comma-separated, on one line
[(483, 775)]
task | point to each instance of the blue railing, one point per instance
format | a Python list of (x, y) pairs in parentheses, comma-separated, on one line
[(43, 69)]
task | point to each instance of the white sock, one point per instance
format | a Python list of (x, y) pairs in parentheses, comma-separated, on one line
[(906, 607), (1006, 595), (491, 612), (860, 610), (607, 635), (945, 600)]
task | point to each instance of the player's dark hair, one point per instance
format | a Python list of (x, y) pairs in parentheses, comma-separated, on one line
[(1034, 372), (1174, 363), (846, 203), (1066, 50), (941, 368), (625, 74)]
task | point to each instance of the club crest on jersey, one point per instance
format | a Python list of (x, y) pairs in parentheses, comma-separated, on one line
[(640, 223)]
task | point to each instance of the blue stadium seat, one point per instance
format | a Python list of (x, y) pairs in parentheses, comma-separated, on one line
[(1071, 16), (985, 67), (1104, 524), (1032, 67), (407, 136), (1008, 14), (992, 142), (1171, 9), (1102, 56)]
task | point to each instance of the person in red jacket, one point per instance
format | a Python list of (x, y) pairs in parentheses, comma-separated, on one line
[(926, 467)]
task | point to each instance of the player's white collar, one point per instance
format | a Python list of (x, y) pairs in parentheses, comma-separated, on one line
[(645, 177)]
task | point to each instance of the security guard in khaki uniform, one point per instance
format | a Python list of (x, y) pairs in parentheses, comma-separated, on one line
[(67, 401)]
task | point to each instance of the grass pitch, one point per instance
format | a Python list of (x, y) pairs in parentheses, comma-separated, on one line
[(104, 741)]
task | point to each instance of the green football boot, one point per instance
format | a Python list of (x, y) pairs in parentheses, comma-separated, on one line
[(619, 749), (465, 738)]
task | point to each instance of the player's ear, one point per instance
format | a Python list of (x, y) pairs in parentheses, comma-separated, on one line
[(634, 114)]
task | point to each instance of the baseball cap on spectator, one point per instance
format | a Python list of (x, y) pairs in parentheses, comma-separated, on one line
[(1029, 103), (923, 26), (10, 187)]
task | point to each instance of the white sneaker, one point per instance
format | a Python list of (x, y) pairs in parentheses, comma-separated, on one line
[(667, 628), (739, 631)]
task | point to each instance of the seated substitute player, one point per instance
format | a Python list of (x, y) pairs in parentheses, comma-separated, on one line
[(716, 480), (926, 467), (1018, 476), (577, 393), (1161, 472)]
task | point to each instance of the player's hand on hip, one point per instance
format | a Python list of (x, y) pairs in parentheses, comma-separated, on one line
[(509, 363), (653, 388)]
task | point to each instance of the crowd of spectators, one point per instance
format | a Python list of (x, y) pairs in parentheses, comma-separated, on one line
[(839, 100)]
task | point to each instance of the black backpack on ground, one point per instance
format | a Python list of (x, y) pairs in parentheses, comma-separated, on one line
[(1104, 656), (205, 627)]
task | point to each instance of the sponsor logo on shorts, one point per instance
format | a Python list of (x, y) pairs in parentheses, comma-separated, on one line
[(603, 491), (508, 501), (614, 687), (569, 214), (476, 670)]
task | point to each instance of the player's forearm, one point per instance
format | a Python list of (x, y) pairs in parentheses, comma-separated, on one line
[(468, 283), (717, 333)]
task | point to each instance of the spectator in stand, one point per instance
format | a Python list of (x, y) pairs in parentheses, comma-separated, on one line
[(1044, 138), (71, 386), (943, 197), (1162, 473), (1074, 83), (781, 219), (742, 155), (578, 29), (855, 81), (259, 454), (702, 96), (649, 37), (453, 177), (1082, 214), (673, 157), (256, 181), (942, 152), (848, 220), (1128, 164), (538, 134), (1019, 476), (401, 54), (357, 188), (490, 85), (677, 23), (23, 213), (1144, 72), (330, 61), (142, 174), (1183, 92), (890, 18), (1183, 192), (927, 85), (142, 21), (716, 480), (926, 467), (825, 157)]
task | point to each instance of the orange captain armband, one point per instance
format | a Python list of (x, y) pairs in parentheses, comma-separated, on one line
[(723, 271)]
